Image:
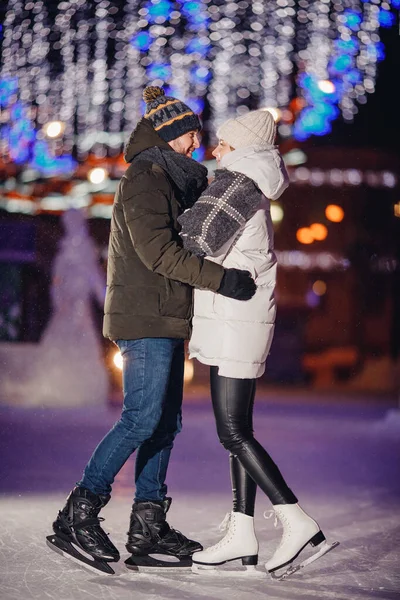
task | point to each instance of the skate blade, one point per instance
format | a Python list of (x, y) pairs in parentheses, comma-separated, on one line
[(67, 550), (324, 549), (211, 571), (158, 563)]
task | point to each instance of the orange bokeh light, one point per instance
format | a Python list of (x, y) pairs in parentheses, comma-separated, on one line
[(319, 287), (304, 235), (334, 213), (297, 104), (318, 231)]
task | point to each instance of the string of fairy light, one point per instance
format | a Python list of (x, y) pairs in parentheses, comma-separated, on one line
[(73, 71)]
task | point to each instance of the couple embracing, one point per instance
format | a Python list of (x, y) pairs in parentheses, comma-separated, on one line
[(173, 237)]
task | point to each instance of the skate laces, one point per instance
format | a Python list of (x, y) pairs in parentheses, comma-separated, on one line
[(227, 525), (268, 514)]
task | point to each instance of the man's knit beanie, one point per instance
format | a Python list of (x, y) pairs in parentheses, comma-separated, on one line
[(255, 128), (169, 116)]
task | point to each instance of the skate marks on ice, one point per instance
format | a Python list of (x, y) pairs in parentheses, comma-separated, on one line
[(295, 566), (362, 568), (172, 587), (355, 501), (367, 566)]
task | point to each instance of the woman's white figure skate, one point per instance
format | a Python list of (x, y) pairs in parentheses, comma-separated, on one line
[(239, 543), (299, 530)]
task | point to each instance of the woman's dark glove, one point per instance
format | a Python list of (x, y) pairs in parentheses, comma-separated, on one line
[(237, 284)]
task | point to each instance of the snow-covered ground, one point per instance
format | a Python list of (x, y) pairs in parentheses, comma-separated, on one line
[(340, 457)]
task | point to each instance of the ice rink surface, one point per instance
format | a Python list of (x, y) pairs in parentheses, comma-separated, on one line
[(340, 456)]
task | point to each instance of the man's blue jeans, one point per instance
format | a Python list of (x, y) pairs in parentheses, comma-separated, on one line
[(150, 419)]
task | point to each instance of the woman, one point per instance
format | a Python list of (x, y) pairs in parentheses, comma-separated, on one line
[(231, 224)]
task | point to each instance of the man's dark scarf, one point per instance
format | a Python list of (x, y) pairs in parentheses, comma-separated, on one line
[(188, 176)]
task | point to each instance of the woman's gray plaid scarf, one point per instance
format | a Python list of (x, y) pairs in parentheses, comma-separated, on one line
[(189, 177), (220, 213)]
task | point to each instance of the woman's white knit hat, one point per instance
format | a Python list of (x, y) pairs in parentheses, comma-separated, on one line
[(255, 128)]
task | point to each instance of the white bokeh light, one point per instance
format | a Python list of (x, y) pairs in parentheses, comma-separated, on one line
[(97, 175), (54, 129), (118, 360)]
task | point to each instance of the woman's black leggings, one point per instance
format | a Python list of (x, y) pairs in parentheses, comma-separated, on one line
[(250, 464)]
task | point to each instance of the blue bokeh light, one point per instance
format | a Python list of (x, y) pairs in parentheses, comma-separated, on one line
[(8, 87), (376, 51), (380, 51), (347, 46), (316, 118), (142, 41), (159, 71), (199, 154), (195, 46), (49, 165), (163, 9), (191, 8), (386, 18), (21, 136), (341, 63), (353, 76), (196, 104), (321, 110), (194, 12), (352, 19), (200, 74)]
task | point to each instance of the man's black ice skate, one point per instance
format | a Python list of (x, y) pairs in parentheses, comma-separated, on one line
[(150, 535), (77, 528)]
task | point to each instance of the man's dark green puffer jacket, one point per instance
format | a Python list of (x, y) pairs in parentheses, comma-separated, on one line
[(150, 274)]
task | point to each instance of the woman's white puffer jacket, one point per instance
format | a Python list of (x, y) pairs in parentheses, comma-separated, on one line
[(232, 334)]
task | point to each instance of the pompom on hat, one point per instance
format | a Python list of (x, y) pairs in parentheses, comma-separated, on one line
[(255, 128), (169, 116)]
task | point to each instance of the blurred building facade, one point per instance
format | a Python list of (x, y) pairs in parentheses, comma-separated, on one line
[(337, 296)]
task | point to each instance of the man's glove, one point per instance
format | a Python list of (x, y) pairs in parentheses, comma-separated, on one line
[(237, 284)]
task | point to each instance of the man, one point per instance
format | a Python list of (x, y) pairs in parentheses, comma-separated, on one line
[(148, 309)]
